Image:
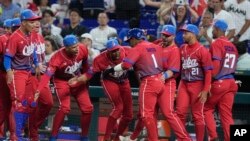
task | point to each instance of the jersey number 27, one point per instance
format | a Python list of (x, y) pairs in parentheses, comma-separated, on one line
[(229, 60)]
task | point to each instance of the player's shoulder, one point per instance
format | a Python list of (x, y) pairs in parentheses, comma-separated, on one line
[(58, 54), (101, 58), (183, 46), (3, 37), (83, 48), (203, 48), (16, 35), (125, 48)]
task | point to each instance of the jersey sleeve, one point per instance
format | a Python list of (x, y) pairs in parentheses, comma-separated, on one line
[(216, 52), (85, 65), (131, 58), (1, 46), (11, 47), (96, 65), (248, 14), (52, 65), (231, 23), (174, 60), (206, 59)]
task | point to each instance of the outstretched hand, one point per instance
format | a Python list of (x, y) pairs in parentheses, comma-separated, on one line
[(77, 80)]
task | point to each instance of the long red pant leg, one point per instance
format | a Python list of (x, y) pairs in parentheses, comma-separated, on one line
[(81, 95), (44, 104), (150, 88), (188, 97), (166, 103), (222, 95)]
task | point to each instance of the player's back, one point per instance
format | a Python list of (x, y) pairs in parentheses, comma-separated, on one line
[(222, 49), (149, 61)]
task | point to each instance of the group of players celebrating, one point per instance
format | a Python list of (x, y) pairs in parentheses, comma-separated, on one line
[(207, 81)]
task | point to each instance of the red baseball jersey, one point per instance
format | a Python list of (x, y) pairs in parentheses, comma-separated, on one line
[(40, 47), (171, 58), (146, 58), (3, 43), (102, 62), (21, 48), (195, 59), (224, 51), (65, 67)]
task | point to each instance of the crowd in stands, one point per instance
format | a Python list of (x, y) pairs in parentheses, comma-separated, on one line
[(100, 18)]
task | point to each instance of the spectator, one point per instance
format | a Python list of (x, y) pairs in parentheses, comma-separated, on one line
[(240, 11), (42, 5), (206, 29), (101, 32), (74, 28), (46, 31), (183, 15), (76, 4), (244, 56), (22, 3), (210, 6), (125, 9), (50, 48), (60, 9), (220, 14), (9, 10), (109, 6), (162, 13), (92, 8), (133, 23), (87, 40), (48, 18)]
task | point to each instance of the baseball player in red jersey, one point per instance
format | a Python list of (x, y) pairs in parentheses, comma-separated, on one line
[(224, 56), (5, 101), (38, 113), (18, 60), (65, 64), (171, 66), (147, 60), (195, 80), (116, 87)]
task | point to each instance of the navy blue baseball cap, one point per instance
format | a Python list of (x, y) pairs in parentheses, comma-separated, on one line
[(7, 23), (136, 33), (29, 15), (191, 28), (70, 40), (112, 44), (221, 24), (15, 22), (168, 30)]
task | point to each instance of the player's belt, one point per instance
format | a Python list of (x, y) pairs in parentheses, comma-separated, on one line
[(151, 76)]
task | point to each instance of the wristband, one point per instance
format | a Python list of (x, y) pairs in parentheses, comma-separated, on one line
[(165, 75)]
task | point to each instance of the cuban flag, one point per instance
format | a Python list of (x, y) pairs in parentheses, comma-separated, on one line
[(198, 5)]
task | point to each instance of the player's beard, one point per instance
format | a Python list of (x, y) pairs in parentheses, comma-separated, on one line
[(166, 43), (114, 56)]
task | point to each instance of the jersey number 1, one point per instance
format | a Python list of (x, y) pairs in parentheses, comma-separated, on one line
[(154, 60)]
